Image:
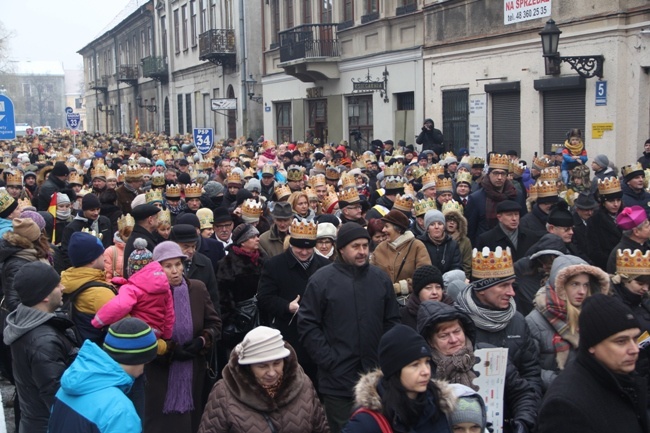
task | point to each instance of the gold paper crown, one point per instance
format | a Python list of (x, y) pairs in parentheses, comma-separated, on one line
[(125, 221), (609, 185), (164, 217), (437, 169), (134, 172), (397, 153), (517, 168), (448, 155), (332, 173), (350, 195), (417, 172), (303, 230), (157, 179), (409, 190), (317, 180), (193, 190), (268, 144), (41, 157), (295, 173), (394, 182), (492, 264), (173, 191), (204, 165), (282, 191), (369, 157), (532, 193), (120, 177), (206, 218), (477, 161), (629, 169), (92, 232), (429, 179), (329, 201), (550, 174), (153, 196), (546, 188), (233, 154), (98, 171), (360, 164), (632, 263), (403, 203), (14, 179), (268, 169), (541, 162), (311, 193), (251, 208), (452, 206), (248, 173), (394, 170), (320, 166), (110, 174), (348, 181), (464, 177), (422, 206), (444, 184), (59, 157), (233, 177), (499, 161)]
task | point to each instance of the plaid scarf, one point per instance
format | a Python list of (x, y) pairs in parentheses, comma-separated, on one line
[(553, 309), (494, 197)]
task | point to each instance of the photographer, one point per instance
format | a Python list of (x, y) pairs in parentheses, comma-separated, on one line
[(431, 139)]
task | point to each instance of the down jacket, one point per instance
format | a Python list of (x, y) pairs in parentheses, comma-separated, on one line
[(389, 256), (15, 252), (237, 404), (145, 296), (446, 256)]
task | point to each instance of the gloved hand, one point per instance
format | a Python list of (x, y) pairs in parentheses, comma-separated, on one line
[(518, 427), (162, 347), (194, 346), (180, 354)]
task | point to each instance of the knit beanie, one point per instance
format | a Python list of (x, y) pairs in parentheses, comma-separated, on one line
[(262, 344), (34, 216), (242, 233), (433, 216), (601, 317), (602, 161), (84, 248), (253, 185), (425, 275), (26, 228), (349, 232), (140, 257), (60, 169), (90, 201), (468, 409), (130, 342), (34, 282), (213, 189), (400, 346), (62, 198)]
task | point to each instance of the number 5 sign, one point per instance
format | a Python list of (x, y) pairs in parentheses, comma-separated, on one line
[(601, 92), (203, 139)]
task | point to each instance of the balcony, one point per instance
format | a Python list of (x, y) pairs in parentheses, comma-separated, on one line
[(101, 84), (155, 67), (127, 74), (218, 47), (310, 52)]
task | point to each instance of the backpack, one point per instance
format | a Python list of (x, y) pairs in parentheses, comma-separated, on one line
[(68, 308)]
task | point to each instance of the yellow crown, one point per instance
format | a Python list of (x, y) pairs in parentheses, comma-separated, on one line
[(193, 190), (268, 144), (120, 177), (550, 174), (409, 190), (499, 161), (295, 173), (609, 185), (268, 169), (417, 172), (303, 230), (541, 163), (320, 166), (492, 264), (204, 165), (329, 201), (394, 182), (517, 168), (317, 180), (173, 191), (251, 208), (477, 161), (403, 203), (24, 203), (332, 173), (546, 189), (5, 200), (59, 157), (632, 263), (429, 179), (360, 164), (452, 206), (14, 179), (206, 218), (98, 171), (369, 157), (153, 196), (464, 177), (632, 168), (311, 193), (448, 155), (157, 179), (125, 221), (437, 169), (249, 172), (348, 181), (350, 195), (110, 174), (164, 217), (397, 153), (394, 170), (233, 177), (41, 157), (282, 191), (99, 162), (134, 172), (234, 154), (92, 232), (532, 193), (646, 178), (444, 184), (422, 206)]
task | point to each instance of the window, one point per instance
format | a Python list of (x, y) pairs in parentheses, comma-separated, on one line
[(143, 44), (229, 24), (318, 118), (360, 117), (184, 29), (27, 90), (325, 11), (283, 121), (348, 10), (193, 22), (455, 118), (372, 6), (288, 7), (405, 101), (275, 23), (78, 103), (180, 113), (188, 112), (149, 41), (177, 33), (203, 5), (163, 34), (306, 11)]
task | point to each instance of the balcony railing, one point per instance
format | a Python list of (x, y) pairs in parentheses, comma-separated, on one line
[(127, 73), (101, 83), (154, 67), (218, 46), (406, 9), (309, 41)]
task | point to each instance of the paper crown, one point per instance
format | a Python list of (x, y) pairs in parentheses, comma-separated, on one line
[(125, 221), (609, 185), (295, 173), (153, 196), (76, 179), (14, 179), (282, 191), (545, 188), (59, 157), (437, 169), (311, 193), (157, 179), (397, 153), (394, 170), (449, 154), (632, 169), (550, 174), (541, 163), (394, 182), (317, 180), (422, 206), (452, 206), (477, 161), (24, 202), (303, 230), (164, 217), (409, 190), (332, 173), (444, 184), (632, 263), (206, 218), (403, 203), (193, 190), (329, 201), (173, 191), (110, 174), (204, 165), (5, 200), (121, 177), (134, 172), (361, 165), (499, 161), (417, 172), (92, 232), (251, 208), (464, 177), (268, 169), (517, 168), (348, 181), (320, 166), (268, 144), (350, 195), (234, 177), (532, 193), (369, 157), (248, 173), (492, 264), (98, 171)]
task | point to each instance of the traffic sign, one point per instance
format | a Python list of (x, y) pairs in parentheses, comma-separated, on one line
[(72, 119), (203, 139), (7, 119)]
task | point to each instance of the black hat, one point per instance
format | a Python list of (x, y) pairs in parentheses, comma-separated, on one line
[(131, 342), (221, 215), (282, 209), (508, 206), (549, 199), (400, 346), (328, 218), (90, 201), (560, 215), (34, 282), (183, 233), (585, 202), (188, 218), (144, 211), (349, 232), (425, 275), (601, 317), (184, 178), (243, 232), (183, 162), (60, 169), (242, 195)]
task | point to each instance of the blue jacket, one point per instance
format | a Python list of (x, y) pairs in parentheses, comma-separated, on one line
[(5, 226), (92, 397)]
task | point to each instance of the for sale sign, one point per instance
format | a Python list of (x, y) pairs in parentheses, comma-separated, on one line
[(516, 11)]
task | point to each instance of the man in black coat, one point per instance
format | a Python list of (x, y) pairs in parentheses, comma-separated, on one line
[(634, 192), (431, 139), (584, 208), (507, 232), (56, 181), (599, 392), (146, 223)]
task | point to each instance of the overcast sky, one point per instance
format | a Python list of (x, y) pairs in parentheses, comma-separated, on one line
[(56, 29)]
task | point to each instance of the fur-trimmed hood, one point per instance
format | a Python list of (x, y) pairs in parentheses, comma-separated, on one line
[(566, 266), (366, 393), (454, 215)]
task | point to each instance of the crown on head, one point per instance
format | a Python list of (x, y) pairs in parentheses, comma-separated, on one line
[(397, 153), (14, 179), (329, 201), (5, 200), (92, 232), (632, 263), (311, 193), (317, 180), (629, 169), (98, 171), (449, 154), (320, 166), (541, 163), (125, 221), (394, 182), (282, 191), (295, 173), (444, 184), (332, 173), (59, 157), (206, 218), (394, 170), (164, 217), (204, 165), (157, 179), (429, 179), (532, 193), (233, 177), (452, 206), (409, 190), (517, 168), (500, 161), (350, 195), (153, 196), (110, 174), (173, 191), (403, 203), (193, 190), (348, 181), (369, 157), (268, 169), (134, 172), (249, 172), (268, 144), (477, 161), (550, 174), (24, 202), (361, 165), (546, 188), (464, 176), (422, 206), (251, 208), (492, 264), (303, 230), (609, 185)]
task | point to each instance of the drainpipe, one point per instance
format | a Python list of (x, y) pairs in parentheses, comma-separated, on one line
[(242, 43)]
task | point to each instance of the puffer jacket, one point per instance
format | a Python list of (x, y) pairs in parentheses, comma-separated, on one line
[(15, 252), (145, 296), (564, 267), (446, 256), (114, 258), (237, 404), (368, 395), (5, 226)]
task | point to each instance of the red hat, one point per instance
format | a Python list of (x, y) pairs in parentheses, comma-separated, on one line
[(631, 217)]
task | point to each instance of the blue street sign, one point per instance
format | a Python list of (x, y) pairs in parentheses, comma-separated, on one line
[(601, 92), (72, 119), (7, 119), (203, 139)]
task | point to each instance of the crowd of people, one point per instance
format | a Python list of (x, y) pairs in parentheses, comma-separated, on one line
[(304, 286)]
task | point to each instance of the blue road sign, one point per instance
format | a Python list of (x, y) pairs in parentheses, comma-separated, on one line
[(72, 119), (203, 139), (7, 119), (601, 92)]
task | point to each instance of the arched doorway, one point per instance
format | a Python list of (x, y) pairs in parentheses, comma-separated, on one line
[(167, 121), (232, 116)]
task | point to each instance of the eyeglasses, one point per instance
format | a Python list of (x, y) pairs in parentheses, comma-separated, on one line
[(499, 173), (354, 206), (324, 242)]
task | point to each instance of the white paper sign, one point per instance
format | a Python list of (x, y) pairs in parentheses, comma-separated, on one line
[(478, 124), (491, 382), (516, 11)]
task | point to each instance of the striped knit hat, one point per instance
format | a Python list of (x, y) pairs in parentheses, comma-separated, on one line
[(131, 342)]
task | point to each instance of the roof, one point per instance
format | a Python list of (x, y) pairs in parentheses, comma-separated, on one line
[(131, 7), (37, 67)]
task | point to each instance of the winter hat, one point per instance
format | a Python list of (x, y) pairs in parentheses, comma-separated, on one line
[(560, 215), (400, 346), (34, 282), (469, 407), (167, 250), (221, 215), (453, 275), (631, 218), (326, 230), (60, 169), (184, 178), (253, 185), (140, 257), (602, 316), (130, 342), (397, 218), (508, 206), (349, 232), (190, 218), (62, 198), (84, 248), (262, 344), (282, 210), (160, 163), (184, 233), (327, 218), (213, 189), (143, 211), (26, 228), (90, 201), (242, 233), (433, 216), (425, 275), (34, 216), (602, 161)]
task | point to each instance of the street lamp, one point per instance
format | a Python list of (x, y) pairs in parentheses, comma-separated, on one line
[(250, 89), (108, 111), (585, 66), (151, 108)]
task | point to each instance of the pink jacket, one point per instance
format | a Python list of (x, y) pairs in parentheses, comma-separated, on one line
[(146, 296), (114, 251)]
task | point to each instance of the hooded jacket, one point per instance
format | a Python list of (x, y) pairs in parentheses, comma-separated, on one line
[(15, 251), (114, 258), (446, 256), (431, 139), (633, 198), (93, 397), (389, 256)]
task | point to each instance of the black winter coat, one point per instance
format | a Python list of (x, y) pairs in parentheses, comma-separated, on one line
[(51, 185), (76, 225), (496, 237), (431, 139), (113, 213), (212, 249), (374, 212), (535, 222), (632, 198), (476, 213), (201, 269), (624, 244), (10, 263), (445, 256), (138, 232), (602, 236)]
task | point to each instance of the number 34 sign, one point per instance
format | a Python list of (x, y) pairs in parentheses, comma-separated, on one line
[(203, 139)]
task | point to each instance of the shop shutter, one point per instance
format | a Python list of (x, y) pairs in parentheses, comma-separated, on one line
[(506, 122), (563, 110)]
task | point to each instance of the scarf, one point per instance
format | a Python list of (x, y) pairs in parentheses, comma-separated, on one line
[(495, 197), (485, 318), (254, 256), (574, 149), (456, 368), (553, 309), (328, 255), (94, 225), (179, 388), (306, 263), (268, 154), (175, 210), (130, 188), (272, 390)]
